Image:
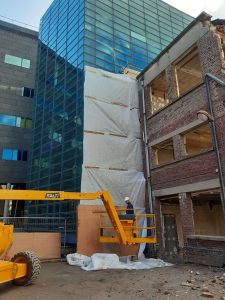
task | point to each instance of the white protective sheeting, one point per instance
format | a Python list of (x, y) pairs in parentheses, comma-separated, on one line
[(111, 118), (112, 154), (110, 87), (101, 261), (118, 183)]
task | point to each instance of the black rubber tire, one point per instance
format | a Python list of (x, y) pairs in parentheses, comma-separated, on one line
[(33, 267)]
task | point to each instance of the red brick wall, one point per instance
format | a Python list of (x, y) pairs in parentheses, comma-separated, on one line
[(157, 209), (177, 114), (206, 252), (199, 168), (183, 111), (211, 62), (186, 211), (172, 86), (209, 49)]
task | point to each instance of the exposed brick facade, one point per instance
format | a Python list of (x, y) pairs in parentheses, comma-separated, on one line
[(189, 170), (177, 114), (186, 209), (171, 84), (206, 252), (157, 208), (196, 168)]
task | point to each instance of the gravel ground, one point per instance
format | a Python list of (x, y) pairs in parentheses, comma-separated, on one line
[(59, 281)]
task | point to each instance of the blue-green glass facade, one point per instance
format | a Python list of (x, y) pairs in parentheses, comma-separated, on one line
[(107, 34)]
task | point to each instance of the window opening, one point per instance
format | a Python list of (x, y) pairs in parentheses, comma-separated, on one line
[(197, 140), (159, 93), (164, 152), (188, 71)]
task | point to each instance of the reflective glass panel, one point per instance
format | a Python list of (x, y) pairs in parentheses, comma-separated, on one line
[(6, 154), (13, 60), (7, 120), (25, 63)]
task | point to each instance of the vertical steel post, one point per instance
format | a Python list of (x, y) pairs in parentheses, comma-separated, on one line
[(150, 248), (209, 77), (147, 158), (6, 205)]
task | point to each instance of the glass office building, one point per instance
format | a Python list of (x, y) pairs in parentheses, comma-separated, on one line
[(107, 34)]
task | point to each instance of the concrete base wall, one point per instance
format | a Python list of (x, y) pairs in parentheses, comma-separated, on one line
[(45, 245), (88, 233)]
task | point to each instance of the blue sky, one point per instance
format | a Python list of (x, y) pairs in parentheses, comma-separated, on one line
[(30, 11), (25, 11)]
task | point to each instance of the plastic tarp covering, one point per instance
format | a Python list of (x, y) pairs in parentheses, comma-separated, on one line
[(100, 261), (112, 153)]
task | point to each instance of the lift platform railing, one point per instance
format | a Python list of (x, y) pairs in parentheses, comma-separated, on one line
[(138, 227)]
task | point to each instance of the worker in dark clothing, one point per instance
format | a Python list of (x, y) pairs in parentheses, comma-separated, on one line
[(130, 208), (130, 215)]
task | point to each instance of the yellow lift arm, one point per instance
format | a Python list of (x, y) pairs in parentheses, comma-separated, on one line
[(20, 270), (119, 227), (29, 195)]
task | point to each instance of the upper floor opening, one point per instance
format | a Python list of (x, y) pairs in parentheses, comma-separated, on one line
[(188, 72)]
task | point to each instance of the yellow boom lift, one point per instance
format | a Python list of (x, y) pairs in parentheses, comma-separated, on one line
[(25, 266)]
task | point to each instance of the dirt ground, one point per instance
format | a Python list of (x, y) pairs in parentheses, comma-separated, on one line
[(59, 281)]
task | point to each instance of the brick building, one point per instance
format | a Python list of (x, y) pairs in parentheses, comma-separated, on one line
[(184, 98)]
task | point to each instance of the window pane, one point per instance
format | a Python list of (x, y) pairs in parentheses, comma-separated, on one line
[(26, 92), (28, 123), (19, 155), (18, 122), (32, 93), (26, 63), (22, 125), (14, 154), (138, 36), (13, 60), (7, 120), (7, 154)]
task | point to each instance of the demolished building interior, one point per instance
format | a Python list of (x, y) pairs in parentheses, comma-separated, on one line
[(186, 153)]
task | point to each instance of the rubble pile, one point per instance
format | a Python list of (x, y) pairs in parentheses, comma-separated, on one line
[(210, 288)]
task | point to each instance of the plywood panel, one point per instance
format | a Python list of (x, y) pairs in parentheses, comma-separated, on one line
[(175, 209), (45, 245), (209, 220), (88, 232)]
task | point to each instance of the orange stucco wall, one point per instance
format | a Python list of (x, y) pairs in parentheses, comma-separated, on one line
[(45, 245), (88, 224)]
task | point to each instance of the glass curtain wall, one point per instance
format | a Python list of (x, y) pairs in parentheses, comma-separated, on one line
[(56, 153), (107, 34), (120, 33)]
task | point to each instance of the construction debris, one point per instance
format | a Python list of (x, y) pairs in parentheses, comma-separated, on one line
[(187, 284), (209, 288), (207, 295)]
